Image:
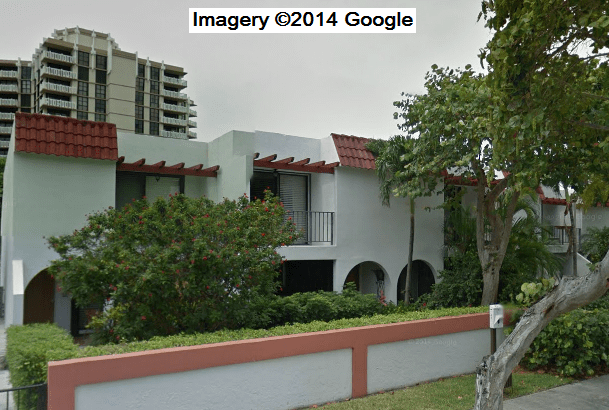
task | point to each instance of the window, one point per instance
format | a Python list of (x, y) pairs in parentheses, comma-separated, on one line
[(141, 70), (83, 88), (139, 126), (100, 76), (154, 87), (154, 115), (154, 101), (139, 98), (292, 190), (83, 58), (82, 115), (139, 84), (100, 117), (26, 73), (101, 62), (100, 91), (154, 128), (26, 100), (26, 86), (100, 106), (83, 73), (82, 103), (139, 112), (155, 73)]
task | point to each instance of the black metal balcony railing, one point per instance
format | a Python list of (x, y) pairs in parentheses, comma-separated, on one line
[(560, 235), (313, 226)]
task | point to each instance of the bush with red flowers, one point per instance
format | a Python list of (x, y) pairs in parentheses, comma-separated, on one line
[(172, 266)]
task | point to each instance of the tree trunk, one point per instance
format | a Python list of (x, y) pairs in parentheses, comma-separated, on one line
[(569, 294), (410, 252), (572, 241), (492, 249)]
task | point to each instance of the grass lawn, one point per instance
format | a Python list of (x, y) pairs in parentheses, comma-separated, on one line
[(452, 393)]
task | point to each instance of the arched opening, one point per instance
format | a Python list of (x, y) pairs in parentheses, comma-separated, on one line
[(39, 299), (420, 282), (369, 278)]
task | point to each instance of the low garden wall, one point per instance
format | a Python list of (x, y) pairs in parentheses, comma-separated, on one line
[(280, 372)]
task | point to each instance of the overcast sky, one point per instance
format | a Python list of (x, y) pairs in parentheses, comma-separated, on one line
[(308, 85)]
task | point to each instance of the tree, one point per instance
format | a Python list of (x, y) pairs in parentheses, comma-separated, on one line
[(548, 61), (181, 265), (389, 157), (456, 127)]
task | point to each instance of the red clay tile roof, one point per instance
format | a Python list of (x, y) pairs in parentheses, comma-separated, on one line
[(47, 134), (352, 151)]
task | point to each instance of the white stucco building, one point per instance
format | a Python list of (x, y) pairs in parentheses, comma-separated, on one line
[(60, 169)]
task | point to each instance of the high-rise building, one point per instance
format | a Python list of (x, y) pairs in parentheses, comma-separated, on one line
[(83, 74)]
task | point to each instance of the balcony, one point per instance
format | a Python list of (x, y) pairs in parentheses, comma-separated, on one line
[(4, 144), (58, 88), (175, 94), (175, 81), (7, 116), (51, 102), (191, 103), (174, 121), (8, 102), (173, 134), (9, 88), (5, 130), (175, 108), (51, 55), (192, 134), (192, 113), (192, 123), (8, 74), (56, 72), (559, 242), (315, 227)]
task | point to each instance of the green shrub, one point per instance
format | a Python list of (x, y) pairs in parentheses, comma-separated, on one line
[(315, 306), (574, 343), (595, 243), (28, 350), (172, 266)]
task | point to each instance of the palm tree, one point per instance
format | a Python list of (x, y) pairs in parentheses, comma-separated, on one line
[(390, 157)]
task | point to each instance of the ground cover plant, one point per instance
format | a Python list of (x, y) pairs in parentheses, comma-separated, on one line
[(176, 265), (451, 393)]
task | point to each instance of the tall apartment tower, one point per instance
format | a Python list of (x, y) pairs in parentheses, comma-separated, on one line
[(83, 74)]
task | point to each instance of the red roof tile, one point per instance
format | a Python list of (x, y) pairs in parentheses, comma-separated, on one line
[(352, 151), (47, 134)]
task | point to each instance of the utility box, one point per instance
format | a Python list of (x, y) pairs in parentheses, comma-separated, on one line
[(496, 316)]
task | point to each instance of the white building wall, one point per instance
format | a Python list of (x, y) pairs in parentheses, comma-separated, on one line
[(50, 195)]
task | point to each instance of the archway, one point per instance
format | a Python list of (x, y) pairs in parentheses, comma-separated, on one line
[(39, 299), (369, 278), (420, 282)]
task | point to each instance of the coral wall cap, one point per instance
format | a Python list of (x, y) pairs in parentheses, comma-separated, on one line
[(61, 136), (352, 151)]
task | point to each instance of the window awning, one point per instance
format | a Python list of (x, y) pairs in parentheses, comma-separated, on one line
[(161, 168), (289, 164)]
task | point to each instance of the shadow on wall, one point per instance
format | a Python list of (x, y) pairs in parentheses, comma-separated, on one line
[(38, 301), (369, 278), (420, 282)]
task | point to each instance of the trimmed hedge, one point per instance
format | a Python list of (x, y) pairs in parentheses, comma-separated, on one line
[(31, 347), (28, 350)]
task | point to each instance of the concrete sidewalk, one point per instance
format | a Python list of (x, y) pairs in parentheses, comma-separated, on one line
[(591, 394)]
